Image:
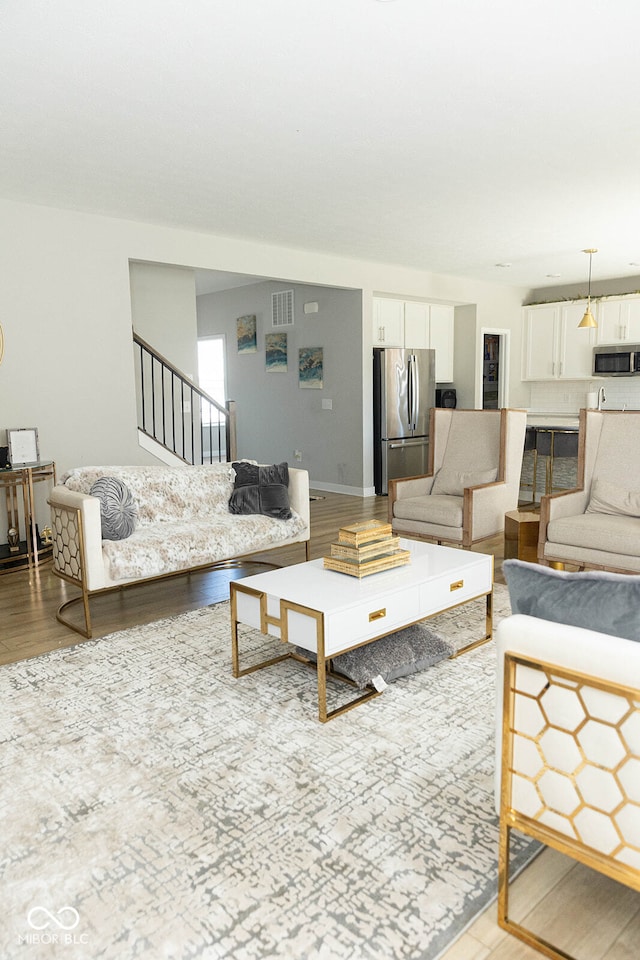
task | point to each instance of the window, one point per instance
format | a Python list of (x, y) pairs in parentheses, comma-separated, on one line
[(212, 374)]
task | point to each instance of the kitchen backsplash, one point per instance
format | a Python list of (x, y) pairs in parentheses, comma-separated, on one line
[(568, 396)]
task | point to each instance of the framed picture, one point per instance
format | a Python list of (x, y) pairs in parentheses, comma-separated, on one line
[(23, 445), (310, 373), (246, 334), (275, 348)]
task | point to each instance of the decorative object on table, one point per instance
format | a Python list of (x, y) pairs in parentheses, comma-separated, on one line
[(310, 368), (13, 539), (246, 334), (23, 445), (46, 536), (366, 548), (275, 349)]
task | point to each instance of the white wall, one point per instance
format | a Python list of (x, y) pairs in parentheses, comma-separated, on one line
[(163, 310), (65, 305)]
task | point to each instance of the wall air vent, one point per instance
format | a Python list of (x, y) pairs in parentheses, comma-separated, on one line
[(282, 309)]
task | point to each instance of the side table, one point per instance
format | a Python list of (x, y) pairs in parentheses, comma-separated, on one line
[(22, 479), (521, 531)]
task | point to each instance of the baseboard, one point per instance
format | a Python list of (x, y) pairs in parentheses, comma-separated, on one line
[(342, 488)]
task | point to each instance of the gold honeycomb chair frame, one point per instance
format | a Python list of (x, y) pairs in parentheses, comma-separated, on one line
[(570, 774)]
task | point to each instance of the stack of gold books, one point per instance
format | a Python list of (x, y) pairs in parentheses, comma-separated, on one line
[(364, 548)]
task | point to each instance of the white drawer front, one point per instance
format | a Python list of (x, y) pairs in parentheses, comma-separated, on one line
[(450, 590), (369, 620)]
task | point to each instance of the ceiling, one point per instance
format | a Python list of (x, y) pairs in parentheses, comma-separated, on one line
[(450, 137)]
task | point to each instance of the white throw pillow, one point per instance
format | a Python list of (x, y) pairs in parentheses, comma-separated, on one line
[(452, 483), (610, 498)]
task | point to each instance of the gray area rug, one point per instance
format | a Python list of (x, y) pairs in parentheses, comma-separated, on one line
[(155, 807)]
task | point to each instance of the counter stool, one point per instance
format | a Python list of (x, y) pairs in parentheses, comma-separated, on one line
[(530, 447), (555, 443)]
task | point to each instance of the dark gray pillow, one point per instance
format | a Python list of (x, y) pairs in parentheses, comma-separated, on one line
[(118, 509), (261, 489), (396, 655), (593, 599)]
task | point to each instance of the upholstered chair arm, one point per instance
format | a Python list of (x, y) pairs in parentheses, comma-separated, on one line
[(567, 503), (405, 487), (412, 486), (483, 510), (77, 537)]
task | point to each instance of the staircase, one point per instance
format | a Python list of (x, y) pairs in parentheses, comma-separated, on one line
[(176, 414)]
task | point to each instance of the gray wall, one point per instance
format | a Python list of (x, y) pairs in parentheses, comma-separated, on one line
[(275, 415)]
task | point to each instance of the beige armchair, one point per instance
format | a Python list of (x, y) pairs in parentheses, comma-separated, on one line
[(597, 525), (475, 458)]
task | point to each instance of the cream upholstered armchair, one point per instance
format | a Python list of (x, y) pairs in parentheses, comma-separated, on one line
[(568, 726), (597, 525), (475, 458)]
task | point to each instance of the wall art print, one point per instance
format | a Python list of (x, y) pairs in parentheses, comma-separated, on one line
[(246, 334), (275, 348), (310, 368)]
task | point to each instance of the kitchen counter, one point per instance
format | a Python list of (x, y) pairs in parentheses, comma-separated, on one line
[(563, 421)]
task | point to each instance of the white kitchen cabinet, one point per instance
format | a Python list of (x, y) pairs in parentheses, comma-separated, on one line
[(554, 346), (618, 320), (441, 340), (418, 326), (388, 322)]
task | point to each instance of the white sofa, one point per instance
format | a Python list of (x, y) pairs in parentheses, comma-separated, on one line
[(568, 723), (183, 524)]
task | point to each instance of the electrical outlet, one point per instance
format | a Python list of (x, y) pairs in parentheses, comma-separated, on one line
[(297, 455)]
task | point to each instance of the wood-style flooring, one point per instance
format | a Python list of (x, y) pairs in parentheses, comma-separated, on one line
[(589, 916)]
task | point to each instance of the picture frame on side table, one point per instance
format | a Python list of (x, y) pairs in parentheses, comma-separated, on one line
[(23, 445)]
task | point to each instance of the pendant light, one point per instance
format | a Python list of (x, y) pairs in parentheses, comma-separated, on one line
[(589, 320)]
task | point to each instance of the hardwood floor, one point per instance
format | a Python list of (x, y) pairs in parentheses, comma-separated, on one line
[(588, 915)]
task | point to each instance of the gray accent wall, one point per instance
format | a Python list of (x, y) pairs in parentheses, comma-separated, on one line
[(275, 416)]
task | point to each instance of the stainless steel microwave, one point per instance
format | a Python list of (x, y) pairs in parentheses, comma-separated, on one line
[(616, 360)]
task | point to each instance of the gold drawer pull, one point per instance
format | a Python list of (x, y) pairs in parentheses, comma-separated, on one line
[(456, 585), (378, 614)]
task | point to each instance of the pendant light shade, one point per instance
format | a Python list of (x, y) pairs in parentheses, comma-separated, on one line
[(589, 320)]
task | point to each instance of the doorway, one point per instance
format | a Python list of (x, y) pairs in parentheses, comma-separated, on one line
[(492, 378)]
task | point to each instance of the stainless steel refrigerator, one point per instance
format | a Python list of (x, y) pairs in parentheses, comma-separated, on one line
[(404, 391)]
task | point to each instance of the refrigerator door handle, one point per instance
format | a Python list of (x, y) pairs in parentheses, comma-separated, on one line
[(416, 390), (418, 442), (412, 389)]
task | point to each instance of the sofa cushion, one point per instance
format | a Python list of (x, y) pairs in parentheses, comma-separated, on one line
[(597, 531), (443, 510), (452, 483), (261, 489), (118, 509), (155, 549), (592, 599), (613, 499)]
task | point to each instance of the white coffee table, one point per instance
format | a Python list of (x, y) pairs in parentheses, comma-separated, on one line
[(328, 613)]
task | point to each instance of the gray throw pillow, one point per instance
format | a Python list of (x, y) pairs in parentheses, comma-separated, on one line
[(118, 509), (261, 489), (396, 655), (593, 599)]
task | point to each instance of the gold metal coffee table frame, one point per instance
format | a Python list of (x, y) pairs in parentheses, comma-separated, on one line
[(323, 664)]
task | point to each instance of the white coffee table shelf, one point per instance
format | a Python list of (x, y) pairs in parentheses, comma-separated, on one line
[(327, 613)]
